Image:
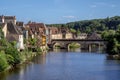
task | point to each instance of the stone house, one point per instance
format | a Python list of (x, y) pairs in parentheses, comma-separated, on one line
[(4, 28), (7, 19), (14, 34), (37, 30), (48, 35), (55, 33), (66, 34), (69, 36), (82, 36), (94, 36), (11, 30), (60, 33)]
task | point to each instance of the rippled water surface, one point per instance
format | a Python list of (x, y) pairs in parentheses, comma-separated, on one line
[(66, 66)]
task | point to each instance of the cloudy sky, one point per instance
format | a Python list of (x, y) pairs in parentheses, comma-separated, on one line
[(59, 11)]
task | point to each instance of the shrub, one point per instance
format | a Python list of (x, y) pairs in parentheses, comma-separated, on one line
[(10, 59), (3, 61), (14, 53), (39, 50)]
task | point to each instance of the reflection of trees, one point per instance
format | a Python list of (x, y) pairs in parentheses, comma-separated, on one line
[(40, 59)]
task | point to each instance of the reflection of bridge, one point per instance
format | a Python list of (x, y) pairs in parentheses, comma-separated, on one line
[(84, 43)]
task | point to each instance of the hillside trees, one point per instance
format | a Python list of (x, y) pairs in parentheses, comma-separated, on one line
[(97, 25), (113, 38)]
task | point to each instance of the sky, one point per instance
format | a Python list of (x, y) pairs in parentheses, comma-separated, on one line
[(59, 11)]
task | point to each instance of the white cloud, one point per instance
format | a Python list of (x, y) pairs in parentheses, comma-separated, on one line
[(69, 17)]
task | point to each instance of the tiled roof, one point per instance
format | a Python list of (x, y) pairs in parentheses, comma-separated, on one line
[(8, 17), (20, 29), (19, 23), (54, 30), (13, 29), (64, 29), (38, 28), (13, 32), (12, 37), (94, 36)]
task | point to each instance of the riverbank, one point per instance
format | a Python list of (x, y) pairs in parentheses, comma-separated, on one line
[(66, 66), (9, 61), (113, 57), (25, 57)]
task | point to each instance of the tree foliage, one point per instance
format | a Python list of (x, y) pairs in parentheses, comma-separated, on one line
[(1, 33), (33, 41), (113, 38), (3, 61), (89, 26), (14, 53)]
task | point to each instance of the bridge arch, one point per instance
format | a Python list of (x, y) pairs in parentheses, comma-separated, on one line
[(95, 46), (84, 44), (73, 45), (56, 45)]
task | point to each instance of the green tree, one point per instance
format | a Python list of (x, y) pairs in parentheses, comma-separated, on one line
[(1, 33), (78, 32), (118, 27), (33, 41), (113, 38), (3, 61), (72, 30), (14, 55), (107, 35)]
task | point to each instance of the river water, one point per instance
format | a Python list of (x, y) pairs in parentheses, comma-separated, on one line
[(66, 66)]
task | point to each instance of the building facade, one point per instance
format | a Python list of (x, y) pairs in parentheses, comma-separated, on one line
[(38, 31), (11, 31), (60, 33), (82, 36), (8, 19)]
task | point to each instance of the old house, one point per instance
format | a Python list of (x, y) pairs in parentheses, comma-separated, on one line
[(94, 36), (48, 35), (60, 33), (8, 19), (55, 33), (4, 28), (12, 31), (14, 34), (66, 34), (37, 30), (82, 36)]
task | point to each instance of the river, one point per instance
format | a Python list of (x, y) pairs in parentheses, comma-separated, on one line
[(66, 66)]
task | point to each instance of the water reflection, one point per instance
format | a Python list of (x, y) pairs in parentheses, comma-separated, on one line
[(74, 50), (95, 50), (66, 66), (40, 59)]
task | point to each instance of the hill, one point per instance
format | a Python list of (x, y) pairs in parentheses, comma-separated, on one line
[(98, 25)]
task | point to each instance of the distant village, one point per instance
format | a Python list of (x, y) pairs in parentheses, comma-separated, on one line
[(18, 31)]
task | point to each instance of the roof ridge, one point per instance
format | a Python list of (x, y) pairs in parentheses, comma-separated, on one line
[(13, 27)]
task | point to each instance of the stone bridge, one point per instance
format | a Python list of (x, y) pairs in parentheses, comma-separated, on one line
[(84, 43)]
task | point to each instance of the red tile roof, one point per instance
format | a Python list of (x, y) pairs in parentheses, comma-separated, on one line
[(54, 30), (38, 28)]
